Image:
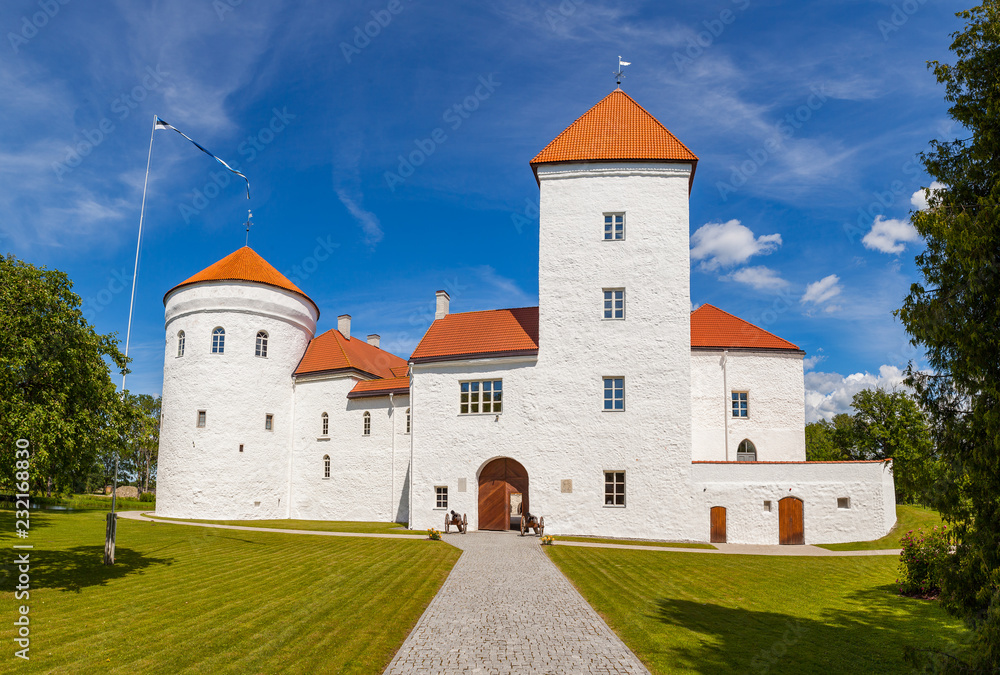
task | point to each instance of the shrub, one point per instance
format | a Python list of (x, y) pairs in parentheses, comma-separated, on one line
[(147, 497), (922, 562), (434, 534)]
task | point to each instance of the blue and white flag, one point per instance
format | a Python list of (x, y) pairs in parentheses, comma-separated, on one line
[(160, 124)]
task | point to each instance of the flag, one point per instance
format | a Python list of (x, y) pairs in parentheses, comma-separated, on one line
[(624, 63), (160, 124)]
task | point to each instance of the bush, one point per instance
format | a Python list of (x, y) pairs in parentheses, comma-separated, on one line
[(922, 562), (147, 497)]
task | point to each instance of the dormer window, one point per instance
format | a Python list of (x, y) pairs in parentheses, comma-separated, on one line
[(261, 350), (614, 226)]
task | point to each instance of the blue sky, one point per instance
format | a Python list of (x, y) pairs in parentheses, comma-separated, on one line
[(807, 118)]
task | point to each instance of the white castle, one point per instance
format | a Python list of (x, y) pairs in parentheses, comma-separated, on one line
[(610, 409)]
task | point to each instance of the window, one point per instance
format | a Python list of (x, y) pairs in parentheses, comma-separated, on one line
[(269, 422), (614, 303), (326, 424), (843, 502), (241, 447), (180, 343), (614, 226), (483, 396), (368, 424), (326, 466), (407, 420), (739, 404), (614, 488), (746, 452), (201, 418), (441, 495), (219, 340), (261, 350), (767, 505), (614, 393)]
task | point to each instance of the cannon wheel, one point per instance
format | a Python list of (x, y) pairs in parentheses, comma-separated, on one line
[(465, 523), (541, 526), (447, 523), (523, 527)]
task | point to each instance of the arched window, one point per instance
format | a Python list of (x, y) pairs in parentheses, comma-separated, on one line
[(326, 466), (261, 344), (407, 420), (219, 340), (746, 452), (180, 343), (326, 424), (368, 424)]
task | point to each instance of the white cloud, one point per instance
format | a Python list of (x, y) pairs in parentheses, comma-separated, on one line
[(828, 394), (760, 278), (730, 243), (919, 198), (369, 222), (820, 291), (890, 235), (811, 362)]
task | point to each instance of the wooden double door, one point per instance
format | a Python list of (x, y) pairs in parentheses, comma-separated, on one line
[(497, 482)]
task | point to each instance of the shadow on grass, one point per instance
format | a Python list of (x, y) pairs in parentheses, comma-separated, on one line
[(870, 638), (83, 566)]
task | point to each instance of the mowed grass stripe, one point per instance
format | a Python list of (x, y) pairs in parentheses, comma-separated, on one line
[(727, 613), (186, 600)]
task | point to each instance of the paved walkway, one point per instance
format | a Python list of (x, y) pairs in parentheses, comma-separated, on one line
[(505, 608)]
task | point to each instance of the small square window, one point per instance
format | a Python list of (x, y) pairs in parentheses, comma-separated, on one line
[(843, 502), (614, 393), (614, 488), (201, 418), (441, 496), (767, 505), (614, 226), (268, 422), (739, 402), (614, 303)]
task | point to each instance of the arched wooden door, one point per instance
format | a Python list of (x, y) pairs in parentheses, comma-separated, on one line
[(497, 481), (718, 525), (790, 525)]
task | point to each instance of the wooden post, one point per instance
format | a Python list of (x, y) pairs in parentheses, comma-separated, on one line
[(109, 539)]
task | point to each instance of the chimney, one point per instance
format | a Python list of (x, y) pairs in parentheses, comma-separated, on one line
[(443, 303), (374, 339), (344, 325)]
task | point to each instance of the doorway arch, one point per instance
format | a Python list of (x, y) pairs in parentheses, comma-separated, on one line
[(498, 480)]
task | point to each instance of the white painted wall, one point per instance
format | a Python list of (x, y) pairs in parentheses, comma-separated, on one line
[(368, 478), (742, 489), (776, 420), (201, 472)]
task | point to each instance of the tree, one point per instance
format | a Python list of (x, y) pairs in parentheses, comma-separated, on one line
[(891, 425), (142, 439), (55, 379), (830, 441), (954, 315)]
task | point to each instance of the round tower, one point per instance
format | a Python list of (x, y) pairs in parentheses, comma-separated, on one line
[(234, 335)]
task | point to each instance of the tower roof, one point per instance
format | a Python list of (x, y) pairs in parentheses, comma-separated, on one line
[(244, 264), (712, 327), (617, 128)]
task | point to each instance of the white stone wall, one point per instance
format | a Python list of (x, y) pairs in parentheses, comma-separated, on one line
[(202, 473), (369, 474), (742, 488), (776, 409)]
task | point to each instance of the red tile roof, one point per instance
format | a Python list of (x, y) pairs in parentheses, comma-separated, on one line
[(244, 264), (617, 128), (712, 327), (331, 351), (395, 385), (497, 332)]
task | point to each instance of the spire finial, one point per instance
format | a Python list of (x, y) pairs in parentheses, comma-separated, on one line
[(249, 218), (619, 74)]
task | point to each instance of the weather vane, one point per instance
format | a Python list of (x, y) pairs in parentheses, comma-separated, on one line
[(619, 74), (249, 218)]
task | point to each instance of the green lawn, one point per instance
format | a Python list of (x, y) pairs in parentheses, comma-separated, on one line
[(907, 518), (312, 525), (200, 600), (636, 542), (734, 613)]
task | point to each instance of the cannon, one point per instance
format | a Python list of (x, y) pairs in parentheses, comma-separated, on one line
[(459, 521), (536, 523)]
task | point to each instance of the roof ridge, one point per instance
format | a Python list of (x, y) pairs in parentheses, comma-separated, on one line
[(653, 117)]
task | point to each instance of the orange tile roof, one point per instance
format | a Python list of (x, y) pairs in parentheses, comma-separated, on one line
[(617, 128), (496, 332), (244, 264), (395, 385), (331, 351), (712, 327)]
